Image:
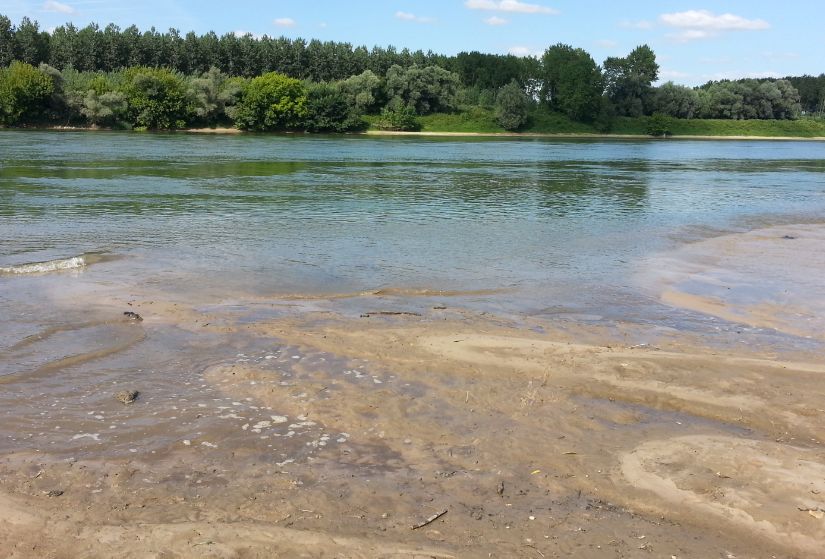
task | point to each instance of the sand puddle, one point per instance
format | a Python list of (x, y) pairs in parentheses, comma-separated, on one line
[(767, 278)]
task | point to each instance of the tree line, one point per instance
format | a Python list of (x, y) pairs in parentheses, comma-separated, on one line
[(111, 48), (128, 78)]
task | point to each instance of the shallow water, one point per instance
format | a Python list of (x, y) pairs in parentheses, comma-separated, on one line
[(284, 214), (237, 226)]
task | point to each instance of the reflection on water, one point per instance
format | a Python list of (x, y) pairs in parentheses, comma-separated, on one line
[(291, 213)]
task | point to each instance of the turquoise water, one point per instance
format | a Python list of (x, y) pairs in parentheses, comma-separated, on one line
[(553, 223)]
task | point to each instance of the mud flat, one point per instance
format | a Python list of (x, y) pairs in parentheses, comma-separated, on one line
[(319, 434)]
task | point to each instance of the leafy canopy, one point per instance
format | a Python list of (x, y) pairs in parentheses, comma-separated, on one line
[(272, 102)]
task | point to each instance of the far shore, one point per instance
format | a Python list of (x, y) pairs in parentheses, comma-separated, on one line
[(584, 135), (436, 134)]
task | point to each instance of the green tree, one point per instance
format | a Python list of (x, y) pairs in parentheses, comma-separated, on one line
[(675, 100), (114, 53), (424, 89), (32, 44), (25, 93), (512, 106), (213, 92), (107, 108), (272, 102), (572, 82), (362, 91), (63, 49), (720, 100), (328, 110), (158, 98), (787, 106), (7, 42), (628, 81)]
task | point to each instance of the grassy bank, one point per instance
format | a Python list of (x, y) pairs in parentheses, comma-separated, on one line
[(803, 128), (483, 121)]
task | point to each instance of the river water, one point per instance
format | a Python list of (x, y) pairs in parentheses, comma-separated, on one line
[(554, 229), (283, 214)]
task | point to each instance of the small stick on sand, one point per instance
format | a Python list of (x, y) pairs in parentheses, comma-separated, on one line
[(430, 520)]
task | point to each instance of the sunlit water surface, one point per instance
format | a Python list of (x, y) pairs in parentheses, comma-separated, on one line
[(522, 228)]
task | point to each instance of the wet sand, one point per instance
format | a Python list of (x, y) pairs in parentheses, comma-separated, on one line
[(296, 427)]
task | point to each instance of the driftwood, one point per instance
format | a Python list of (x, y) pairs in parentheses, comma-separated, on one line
[(389, 313), (430, 520)]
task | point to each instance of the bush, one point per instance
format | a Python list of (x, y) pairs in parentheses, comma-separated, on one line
[(328, 111), (659, 125), (402, 119), (272, 102), (426, 90), (158, 99), (25, 93), (107, 108), (511, 106)]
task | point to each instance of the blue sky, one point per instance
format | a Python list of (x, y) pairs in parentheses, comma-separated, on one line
[(695, 40)]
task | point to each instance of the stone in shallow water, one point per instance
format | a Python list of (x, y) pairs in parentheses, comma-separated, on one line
[(127, 396)]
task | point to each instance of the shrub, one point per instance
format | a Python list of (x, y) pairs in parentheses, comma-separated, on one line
[(511, 106), (25, 92), (158, 98), (659, 125), (402, 119), (328, 111), (271, 102)]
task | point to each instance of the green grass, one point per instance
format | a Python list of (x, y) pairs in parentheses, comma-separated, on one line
[(546, 122), (802, 128), (476, 119), (480, 120)]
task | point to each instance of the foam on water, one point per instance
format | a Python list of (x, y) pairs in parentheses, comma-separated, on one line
[(57, 265)]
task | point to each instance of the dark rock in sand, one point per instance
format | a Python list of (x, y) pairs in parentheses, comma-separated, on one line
[(133, 315), (127, 396)]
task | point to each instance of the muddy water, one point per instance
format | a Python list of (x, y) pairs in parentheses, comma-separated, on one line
[(345, 334)]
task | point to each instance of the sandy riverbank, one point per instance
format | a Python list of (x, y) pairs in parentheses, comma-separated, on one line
[(561, 444), (234, 131), (310, 431)]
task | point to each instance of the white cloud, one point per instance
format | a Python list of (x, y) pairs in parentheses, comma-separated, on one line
[(495, 20), (642, 24), (689, 35), (406, 16), (524, 51), (284, 22), (509, 6), (323, 25), (708, 21), (59, 7), (607, 44)]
